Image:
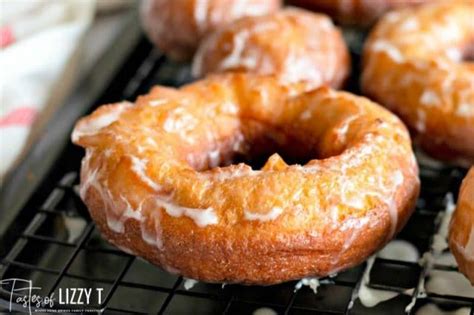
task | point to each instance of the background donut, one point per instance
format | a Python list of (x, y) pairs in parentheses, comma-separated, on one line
[(461, 236), (416, 63), (293, 44), (177, 26), (356, 12)]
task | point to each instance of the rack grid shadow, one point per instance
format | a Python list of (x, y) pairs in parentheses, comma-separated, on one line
[(60, 247)]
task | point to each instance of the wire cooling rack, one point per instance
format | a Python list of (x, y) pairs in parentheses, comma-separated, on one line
[(56, 245)]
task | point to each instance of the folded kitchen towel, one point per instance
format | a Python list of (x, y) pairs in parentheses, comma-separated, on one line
[(39, 42)]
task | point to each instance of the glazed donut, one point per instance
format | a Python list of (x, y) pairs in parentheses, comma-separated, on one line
[(177, 26), (413, 64), (292, 44), (461, 230), (158, 178), (356, 12)]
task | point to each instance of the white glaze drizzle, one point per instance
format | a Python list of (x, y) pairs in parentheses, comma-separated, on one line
[(189, 283), (299, 68), (398, 180), (370, 297), (421, 120), (391, 50), (236, 58), (157, 102), (380, 186), (392, 17), (202, 217), (171, 269), (214, 158), (439, 239), (224, 175), (313, 283), (410, 24), (155, 236), (179, 122), (342, 130), (468, 250), (125, 249), (449, 283), (255, 216), (397, 250), (114, 221), (130, 212), (465, 110), (430, 98), (438, 245), (243, 54), (139, 168), (91, 178), (446, 259), (116, 224), (93, 125), (264, 311), (306, 115), (400, 250), (200, 14), (454, 54)]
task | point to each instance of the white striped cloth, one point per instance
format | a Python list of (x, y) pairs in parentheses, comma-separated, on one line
[(39, 42)]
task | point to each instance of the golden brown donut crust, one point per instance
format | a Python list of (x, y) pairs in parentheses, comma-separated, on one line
[(293, 44), (177, 26), (461, 231), (413, 65), (357, 12), (152, 183)]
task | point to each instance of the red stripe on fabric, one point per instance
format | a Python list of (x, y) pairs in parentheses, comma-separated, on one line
[(6, 36), (23, 116)]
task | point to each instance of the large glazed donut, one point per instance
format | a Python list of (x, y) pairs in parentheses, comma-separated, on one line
[(177, 26), (292, 44), (414, 63), (461, 233), (356, 12), (152, 182)]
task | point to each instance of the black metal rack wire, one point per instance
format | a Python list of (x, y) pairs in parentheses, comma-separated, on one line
[(56, 245)]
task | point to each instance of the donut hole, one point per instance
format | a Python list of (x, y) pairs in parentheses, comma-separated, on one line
[(254, 144), (463, 53), (468, 52), (262, 145)]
